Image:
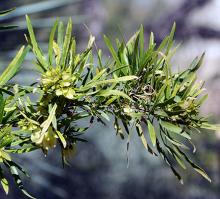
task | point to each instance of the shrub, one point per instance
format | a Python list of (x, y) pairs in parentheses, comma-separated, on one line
[(134, 90)]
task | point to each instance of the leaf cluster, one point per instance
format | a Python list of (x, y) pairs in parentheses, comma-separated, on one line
[(136, 89)]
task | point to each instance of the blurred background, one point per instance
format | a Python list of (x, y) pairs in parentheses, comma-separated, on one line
[(99, 169)]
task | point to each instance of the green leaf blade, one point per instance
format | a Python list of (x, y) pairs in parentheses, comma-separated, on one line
[(14, 66), (152, 132)]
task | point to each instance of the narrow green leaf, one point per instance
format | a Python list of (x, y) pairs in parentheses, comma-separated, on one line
[(175, 142), (214, 127), (197, 62), (163, 44), (18, 181), (152, 132), (164, 156), (104, 115), (7, 27), (180, 162), (60, 35), (23, 149), (14, 66), (131, 42), (160, 95), (4, 183), (45, 125), (72, 52), (202, 172), (51, 40), (170, 41), (135, 64), (2, 105), (118, 129), (118, 93), (90, 42), (108, 81), (112, 50), (151, 41), (66, 44), (62, 139), (171, 127), (202, 100), (5, 12), (141, 134), (189, 87), (111, 100), (116, 80), (141, 42), (98, 75), (195, 167), (57, 52), (36, 49)]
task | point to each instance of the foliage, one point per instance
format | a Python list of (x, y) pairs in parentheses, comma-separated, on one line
[(9, 141), (136, 89), (3, 13)]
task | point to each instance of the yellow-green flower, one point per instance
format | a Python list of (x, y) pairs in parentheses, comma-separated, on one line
[(46, 140), (51, 77), (67, 92), (59, 81), (26, 124)]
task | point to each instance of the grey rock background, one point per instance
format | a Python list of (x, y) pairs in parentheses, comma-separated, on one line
[(99, 170)]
